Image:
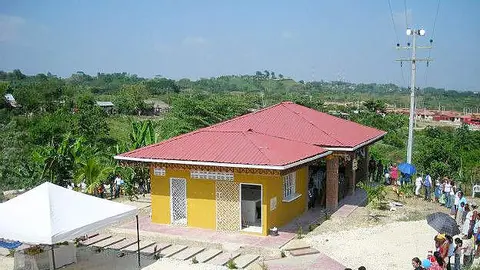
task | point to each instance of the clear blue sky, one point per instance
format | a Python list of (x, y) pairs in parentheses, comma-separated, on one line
[(331, 40)]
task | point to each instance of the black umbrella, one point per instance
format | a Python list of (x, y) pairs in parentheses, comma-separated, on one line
[(443, 223)]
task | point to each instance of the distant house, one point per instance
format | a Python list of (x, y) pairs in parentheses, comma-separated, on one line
[(159, 107), (449, 116), (424, 115), (11, 102), (107, 106)]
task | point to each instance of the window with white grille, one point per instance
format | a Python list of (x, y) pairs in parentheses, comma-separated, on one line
[(220, 176), (159, 171), (289, 186)]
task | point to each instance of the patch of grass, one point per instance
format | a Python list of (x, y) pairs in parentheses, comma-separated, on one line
[(263, 266), (300, 232), (231, 264), (194, 260)]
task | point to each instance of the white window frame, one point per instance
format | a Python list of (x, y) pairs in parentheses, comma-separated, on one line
[(159, 171), (212, 175), (289, 187)]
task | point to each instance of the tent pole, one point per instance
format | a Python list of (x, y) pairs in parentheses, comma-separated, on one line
[(138, 243), (53, 258)]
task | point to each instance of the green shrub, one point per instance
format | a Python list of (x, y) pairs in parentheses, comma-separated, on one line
[(299, 232), (231, 264), (375, 193)]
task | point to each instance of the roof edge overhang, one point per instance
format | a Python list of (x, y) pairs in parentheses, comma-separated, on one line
[(229, 165), (351, 149)]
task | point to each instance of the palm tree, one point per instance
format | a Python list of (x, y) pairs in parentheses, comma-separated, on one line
[(93, 172)]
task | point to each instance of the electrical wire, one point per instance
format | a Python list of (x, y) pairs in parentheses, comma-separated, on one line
[(433, 36), (406, 16), (396, 36)]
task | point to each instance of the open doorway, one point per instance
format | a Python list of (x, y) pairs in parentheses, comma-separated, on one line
[(251, 207), (317, 184)]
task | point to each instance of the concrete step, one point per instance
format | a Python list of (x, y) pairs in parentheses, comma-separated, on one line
[(143, 244), (96, 239), (223, 258), (243, 261), (304, 251), (109, 241), (123, 244), (187, 253), (151, 250), (172, 250), (295, 244), (207, 255)]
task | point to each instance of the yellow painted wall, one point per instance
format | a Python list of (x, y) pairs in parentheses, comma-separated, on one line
[(160, 192), (285, 212), (201, 205), (200, 199)]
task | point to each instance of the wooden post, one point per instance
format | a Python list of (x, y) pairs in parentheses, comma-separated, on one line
[(138, 243), (53, 258)]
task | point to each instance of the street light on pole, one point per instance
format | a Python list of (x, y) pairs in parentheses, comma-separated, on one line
[(414, 33)]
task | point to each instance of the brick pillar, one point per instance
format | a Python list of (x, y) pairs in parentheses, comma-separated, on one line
[(350, 170), (332, 183)]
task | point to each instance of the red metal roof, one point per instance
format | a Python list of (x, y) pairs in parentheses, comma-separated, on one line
[(238, 147), (295, 122), (278, 135)]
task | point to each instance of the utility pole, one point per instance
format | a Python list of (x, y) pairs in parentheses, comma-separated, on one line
[(414, 33)]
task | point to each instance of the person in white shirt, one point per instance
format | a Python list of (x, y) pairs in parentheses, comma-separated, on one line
[(118, 182), (447, 188), (83, 187), (418, 185)]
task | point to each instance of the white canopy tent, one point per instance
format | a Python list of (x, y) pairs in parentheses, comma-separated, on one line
[(50, 214)]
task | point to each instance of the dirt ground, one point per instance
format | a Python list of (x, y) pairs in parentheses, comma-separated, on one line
[(379, 239)]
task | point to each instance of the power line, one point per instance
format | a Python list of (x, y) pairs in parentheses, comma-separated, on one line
[(431, 40), (396, 36), (406, 17), (393, 20)]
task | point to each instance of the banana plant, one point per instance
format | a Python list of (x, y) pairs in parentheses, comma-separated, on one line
[(93, 172), (143, 133)]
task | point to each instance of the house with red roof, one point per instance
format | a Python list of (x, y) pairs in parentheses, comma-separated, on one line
[(256, 171)]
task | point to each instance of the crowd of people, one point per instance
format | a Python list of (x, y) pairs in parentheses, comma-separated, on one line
[(115, 185), (451, 252)]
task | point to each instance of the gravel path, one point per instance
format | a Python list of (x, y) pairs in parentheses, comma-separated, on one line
[(391, 246)]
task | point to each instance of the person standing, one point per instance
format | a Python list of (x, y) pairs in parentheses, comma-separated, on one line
[(451, 251), (386, 173), (418, 185), (112, 187), (467, 248), (394, 174), (372, 166), (458, 253), (118, 185), (379, 171), (447, 188), (427, 183)]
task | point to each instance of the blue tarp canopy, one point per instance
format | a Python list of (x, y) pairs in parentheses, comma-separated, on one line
[(9, 244), (407, 168)]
